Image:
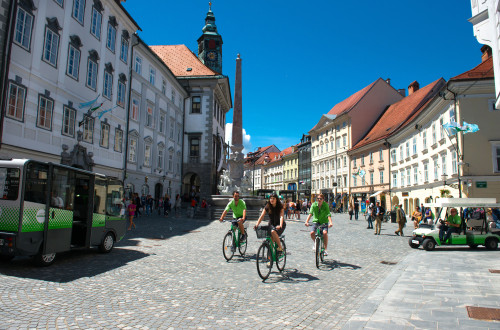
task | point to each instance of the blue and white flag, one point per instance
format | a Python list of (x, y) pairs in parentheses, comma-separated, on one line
[(89, 103)]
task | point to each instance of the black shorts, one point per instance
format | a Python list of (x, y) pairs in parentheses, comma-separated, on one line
[(278, 231)]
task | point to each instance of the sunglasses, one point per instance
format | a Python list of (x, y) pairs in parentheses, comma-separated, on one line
[(320, 199)]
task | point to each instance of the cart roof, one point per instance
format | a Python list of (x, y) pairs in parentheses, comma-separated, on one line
[(464, 202)]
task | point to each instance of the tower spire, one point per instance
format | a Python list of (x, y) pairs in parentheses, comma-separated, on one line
[(210, 43)]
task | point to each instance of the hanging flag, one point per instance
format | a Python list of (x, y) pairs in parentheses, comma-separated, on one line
[(104, 111), (469, 128), (91, 110), (355, 173), (451, 128), (362, 173), (89, 103)]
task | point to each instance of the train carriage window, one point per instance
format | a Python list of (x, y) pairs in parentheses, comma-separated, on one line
[(114, 197), (63, 189), (36, 183), (9, 183), (100, 196)]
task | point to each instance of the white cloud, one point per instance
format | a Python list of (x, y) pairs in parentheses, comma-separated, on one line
[(247, 144)]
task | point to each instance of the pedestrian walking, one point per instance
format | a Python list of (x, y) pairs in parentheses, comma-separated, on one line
[(138, 205), (356, 209), (400, 219), (351, 211), (177, 205), (371, 215), (379, 216), (131, 212)]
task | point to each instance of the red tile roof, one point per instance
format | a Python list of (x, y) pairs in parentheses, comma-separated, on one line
[(287, 151), (399, 114), (483, 71), (181, 61), (351, 101)]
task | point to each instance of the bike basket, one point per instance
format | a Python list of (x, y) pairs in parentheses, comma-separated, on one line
[(262, 231)]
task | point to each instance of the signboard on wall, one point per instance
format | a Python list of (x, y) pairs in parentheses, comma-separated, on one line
[(405, 194), (481, 184)]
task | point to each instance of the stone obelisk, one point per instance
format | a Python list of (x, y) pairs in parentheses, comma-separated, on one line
[(237, 159)]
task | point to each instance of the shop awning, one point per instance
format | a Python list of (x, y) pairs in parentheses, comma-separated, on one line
[(377, 193)]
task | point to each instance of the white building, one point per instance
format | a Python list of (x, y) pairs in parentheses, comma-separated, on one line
[(156, 119), (64, 53)]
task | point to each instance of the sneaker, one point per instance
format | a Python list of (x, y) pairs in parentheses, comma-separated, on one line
[(243, 237), (396, 233), (314, 247), (325, 253)]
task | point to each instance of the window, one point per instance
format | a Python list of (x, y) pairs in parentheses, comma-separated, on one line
[(337, 143), (159, 163), (51, 46), (380, 155), (111, 37), (415, 175), (426, 172), (443, 165), (408, 149), (161, 124), (78, 10), (452, 115), (149, 116), (371, 178), (344, 140), (454, 165), (434, 134), (424, 139), (436, 166), (120, 100), (132, 150), (96, 22), (194, 147), (408, 176), (88, 129), (104, 140), (496, 157), (22, 33), (15, 106), (108, 84), (401, 155), (147, 155), (164, 87), (152, 75), (118, 140), (92, 74), (345, 161), (414, 145), (381, 176), (172, 128), (402, 177), (441, 128), (326, 147), (173, 95), (353, 161), (134, 111), (124, 49), (393, 155), (73, 62), (371, 157), (362, 160), (394, 180), (68, 125), (138, 65), (45, 107)]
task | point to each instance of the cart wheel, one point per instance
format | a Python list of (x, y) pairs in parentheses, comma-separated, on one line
[(491, 243), (44, 260), (413, 245), (107, 243), (429, 244)]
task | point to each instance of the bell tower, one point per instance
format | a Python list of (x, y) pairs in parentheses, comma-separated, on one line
[(210, 44)]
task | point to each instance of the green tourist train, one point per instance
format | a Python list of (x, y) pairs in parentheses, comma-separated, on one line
[(49, 208)]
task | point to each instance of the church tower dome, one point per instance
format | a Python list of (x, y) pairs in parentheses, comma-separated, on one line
[(210, 44)]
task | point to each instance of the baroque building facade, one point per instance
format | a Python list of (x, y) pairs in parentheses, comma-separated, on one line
[(156, 119), (65, 53)]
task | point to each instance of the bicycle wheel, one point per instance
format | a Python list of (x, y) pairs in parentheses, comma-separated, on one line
[(322, 251), (281, 259), (264, 261), (228, 246), (317, 250), (243, 246)]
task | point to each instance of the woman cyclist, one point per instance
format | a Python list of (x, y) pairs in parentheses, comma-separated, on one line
[(277, 223)]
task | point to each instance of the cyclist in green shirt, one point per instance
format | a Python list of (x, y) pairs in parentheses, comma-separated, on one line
[(320, 212), (239, 209), (451, 225)]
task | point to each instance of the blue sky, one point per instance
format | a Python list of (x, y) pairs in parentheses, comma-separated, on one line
[(300, 58)]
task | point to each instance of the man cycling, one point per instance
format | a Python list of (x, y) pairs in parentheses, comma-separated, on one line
[(239, 209), (321, 215)]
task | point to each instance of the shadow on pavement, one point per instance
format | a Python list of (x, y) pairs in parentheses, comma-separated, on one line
[(161, 228), (72, 265), (290, 276), (332, 264)]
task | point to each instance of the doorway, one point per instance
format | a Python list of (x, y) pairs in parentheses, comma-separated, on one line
[(82, 218)]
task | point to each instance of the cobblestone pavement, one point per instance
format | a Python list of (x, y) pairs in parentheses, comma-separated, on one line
[(170, 272)]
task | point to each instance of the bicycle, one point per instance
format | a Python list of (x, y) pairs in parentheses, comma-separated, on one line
[(319, 245), (232, 240), (267, 253)]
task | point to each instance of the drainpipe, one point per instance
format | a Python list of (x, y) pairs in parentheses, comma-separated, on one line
[(135, 42), (388, 145), (183, 137), (9, 35)]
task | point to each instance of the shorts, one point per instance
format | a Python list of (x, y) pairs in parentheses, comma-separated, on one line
[(315, 226), (280, 231)]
